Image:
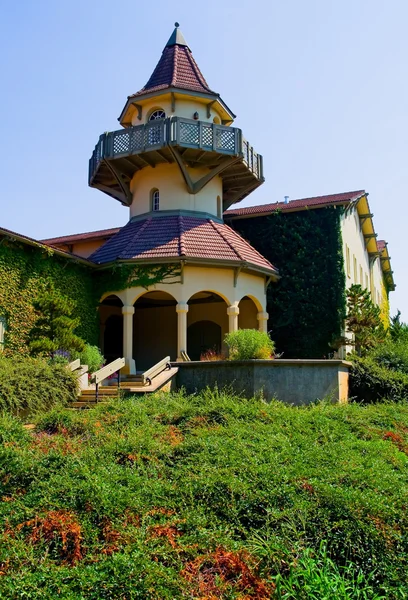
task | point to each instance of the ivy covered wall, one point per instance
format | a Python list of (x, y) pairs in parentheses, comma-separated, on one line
[(307, 306), (23, 270)]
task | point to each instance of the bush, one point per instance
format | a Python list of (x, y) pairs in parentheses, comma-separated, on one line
[(372, 382), (247, 344), (90, 356), (392, 355), (33, 384)]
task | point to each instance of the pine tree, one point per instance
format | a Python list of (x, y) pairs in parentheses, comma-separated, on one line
[(54, 327), (363, 319)]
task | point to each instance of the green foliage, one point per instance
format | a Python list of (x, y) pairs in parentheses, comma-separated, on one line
[(307, 305), (398, 330), (247, 344), (363, 320), (33, 384), (392, 354), (310, 499), (370, 381), (91, 356), (54, 326), (23, 271)]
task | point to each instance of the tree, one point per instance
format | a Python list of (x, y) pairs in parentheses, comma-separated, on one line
[(363, 320), (398, 330), (54, 327)]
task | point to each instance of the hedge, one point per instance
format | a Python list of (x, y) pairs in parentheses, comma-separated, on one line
[(371, 382), (34, 384)]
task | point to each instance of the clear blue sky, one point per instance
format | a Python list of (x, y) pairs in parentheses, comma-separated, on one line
[(320, 89)]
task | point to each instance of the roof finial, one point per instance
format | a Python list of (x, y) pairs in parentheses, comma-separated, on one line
[(176, 38)]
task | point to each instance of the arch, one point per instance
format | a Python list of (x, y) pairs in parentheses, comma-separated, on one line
[(248, 313), (154, 328), (156, 113), (210, 291), (111, 327), (154, 200), (210, 310), (203, 336), (255, 300)]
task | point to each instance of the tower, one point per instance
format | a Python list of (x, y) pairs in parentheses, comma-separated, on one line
[(178, 163)]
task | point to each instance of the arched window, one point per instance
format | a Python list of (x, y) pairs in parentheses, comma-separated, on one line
[(155, 199), (157, 114), (3, 327)]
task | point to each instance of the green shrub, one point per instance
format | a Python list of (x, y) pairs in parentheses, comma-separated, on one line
[(91, 356), (392, 355), (247, 344), (372, 382), (34, 384)]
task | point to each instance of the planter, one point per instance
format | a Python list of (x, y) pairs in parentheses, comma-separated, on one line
[(291, 381)]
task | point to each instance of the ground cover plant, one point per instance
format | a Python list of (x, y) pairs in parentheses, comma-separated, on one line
[(205, 497)]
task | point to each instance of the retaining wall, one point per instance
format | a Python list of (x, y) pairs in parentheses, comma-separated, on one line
[(291, 381)]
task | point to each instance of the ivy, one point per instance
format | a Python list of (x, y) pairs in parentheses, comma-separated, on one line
[(25, 269), (307, 306)]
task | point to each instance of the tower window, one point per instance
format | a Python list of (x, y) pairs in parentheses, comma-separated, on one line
[(155, 200), (157, 114)]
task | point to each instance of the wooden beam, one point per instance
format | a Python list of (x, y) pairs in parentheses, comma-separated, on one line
[(122, 184)]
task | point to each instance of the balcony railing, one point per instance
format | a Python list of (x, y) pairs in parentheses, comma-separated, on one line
[(179, 132)]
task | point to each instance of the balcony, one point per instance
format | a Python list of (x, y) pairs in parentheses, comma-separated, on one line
[(119, 154)]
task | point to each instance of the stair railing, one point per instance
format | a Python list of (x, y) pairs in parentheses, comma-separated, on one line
[(114, 367)]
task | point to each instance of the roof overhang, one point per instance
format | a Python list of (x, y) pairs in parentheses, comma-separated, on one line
[(273, 274), (135, 103), (50, 250)]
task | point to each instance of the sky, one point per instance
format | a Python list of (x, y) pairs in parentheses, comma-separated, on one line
[(320, 89)]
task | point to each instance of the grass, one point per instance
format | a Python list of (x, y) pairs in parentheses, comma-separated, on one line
[(204, 497)]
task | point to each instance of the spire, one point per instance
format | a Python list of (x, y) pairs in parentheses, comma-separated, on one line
[(176, 38), (176, 69)]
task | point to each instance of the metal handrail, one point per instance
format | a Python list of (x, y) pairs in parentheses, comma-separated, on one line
[(187, 133)]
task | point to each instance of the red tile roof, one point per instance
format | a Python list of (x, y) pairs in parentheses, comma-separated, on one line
[(81, 237), (178, 237), (293, 205), (176, 68), (381, 244)]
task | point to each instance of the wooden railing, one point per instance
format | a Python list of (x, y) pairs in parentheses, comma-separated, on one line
[(147, 376), (113, 367), (175, 131)]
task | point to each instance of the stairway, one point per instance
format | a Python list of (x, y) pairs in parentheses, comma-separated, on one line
[(130, 384)]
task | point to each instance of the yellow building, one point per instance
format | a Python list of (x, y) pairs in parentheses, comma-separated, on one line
[(177, 164)]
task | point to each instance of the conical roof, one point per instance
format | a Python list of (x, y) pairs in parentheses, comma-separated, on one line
[(176, 69)]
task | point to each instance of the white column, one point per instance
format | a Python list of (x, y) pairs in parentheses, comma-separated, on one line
[(128, 312), (232, 312), (181, 310), (263, 321)]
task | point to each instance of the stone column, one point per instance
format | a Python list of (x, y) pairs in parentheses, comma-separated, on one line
[(181, 310), (232, 312), (128, 312), (263, 321)]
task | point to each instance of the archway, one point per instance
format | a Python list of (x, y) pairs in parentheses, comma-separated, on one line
[(207, 324), (248, 314), (111, 332), (154, 329)]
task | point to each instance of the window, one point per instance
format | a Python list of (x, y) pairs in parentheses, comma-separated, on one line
[(366, 282), (348, 261), (355, 269), (157, 114), (155, 198), (219, 207), (361, 276), (2, 332)]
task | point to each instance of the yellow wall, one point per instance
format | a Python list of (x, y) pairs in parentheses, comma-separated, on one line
[(154, 335), (248, 313), (184, 107), (173, 190)]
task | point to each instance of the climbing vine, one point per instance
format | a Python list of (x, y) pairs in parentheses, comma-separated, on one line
[(307, 306), (24, 270)]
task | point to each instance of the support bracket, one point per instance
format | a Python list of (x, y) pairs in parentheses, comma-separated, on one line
[(123, 186)]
